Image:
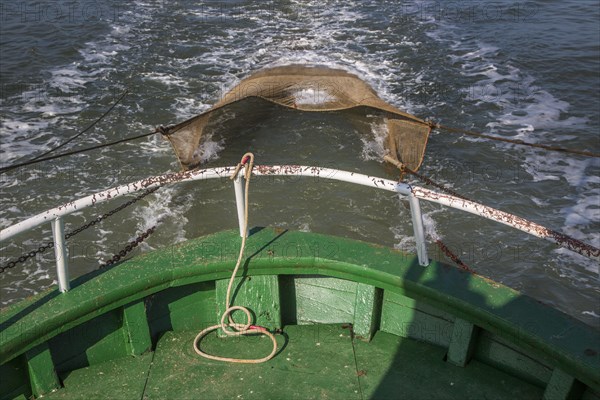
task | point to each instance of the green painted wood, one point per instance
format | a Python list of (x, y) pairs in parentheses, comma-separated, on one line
[(181, 308), (95, 341), (42, 375), (400, 368), (367, 308), (259, 294), (135, 328), (124, 378), (462, 343), (14, 379), (316, 363), (324, 300), (407, 317), (544, 333), (508, 357), (562, 386)]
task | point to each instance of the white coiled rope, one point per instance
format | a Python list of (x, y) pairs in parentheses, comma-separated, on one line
[(232, 328)]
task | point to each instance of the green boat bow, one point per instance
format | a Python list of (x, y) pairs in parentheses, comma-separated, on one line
[(357, 320)]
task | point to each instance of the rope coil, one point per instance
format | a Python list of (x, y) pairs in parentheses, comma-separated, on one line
[(232, 328)]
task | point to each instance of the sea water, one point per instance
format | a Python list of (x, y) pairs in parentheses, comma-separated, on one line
[(521, 69)]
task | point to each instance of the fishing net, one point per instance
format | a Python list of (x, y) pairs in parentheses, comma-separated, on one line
[(307, 88)]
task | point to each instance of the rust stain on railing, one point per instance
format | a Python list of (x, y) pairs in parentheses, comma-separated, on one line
[(522, 224)]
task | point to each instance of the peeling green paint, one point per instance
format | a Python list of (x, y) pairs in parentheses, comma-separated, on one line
[(135, 328), (41, 370), (562, 386), (462, 343), (259, 294), (366, 311)]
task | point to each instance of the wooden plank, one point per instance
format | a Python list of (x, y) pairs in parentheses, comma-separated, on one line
[(136, 329), (324, 300), (462, 343), (316, 363), (563, 386), (42, 374), (14, 379), (259, 294), (366, 311), (190, 307), (409, 318), (493, 350), (398, 368), (98, 340), (123, 378)]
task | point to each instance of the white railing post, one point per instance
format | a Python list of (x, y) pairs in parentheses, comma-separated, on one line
[(60, 252), (239, 200), (417, 221)]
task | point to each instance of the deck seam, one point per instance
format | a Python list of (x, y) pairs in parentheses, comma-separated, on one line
[(148, 376), (360, 391)]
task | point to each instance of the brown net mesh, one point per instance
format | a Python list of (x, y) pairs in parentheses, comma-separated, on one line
[(309, 89)]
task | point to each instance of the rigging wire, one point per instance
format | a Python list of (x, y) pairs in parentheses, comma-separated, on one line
[(404, 169), (165, 131), (435, 125), (90, 126), (70, 153), (553, 236)]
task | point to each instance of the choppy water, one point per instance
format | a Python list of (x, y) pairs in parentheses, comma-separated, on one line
[(522, 69)]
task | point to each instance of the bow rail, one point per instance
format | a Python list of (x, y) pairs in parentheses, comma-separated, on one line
[(55, 215)]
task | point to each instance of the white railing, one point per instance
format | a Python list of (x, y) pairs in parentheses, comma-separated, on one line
[(55, 216)]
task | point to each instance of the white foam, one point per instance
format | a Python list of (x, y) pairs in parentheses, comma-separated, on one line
[(540, 202), (373, 145), (54, 103), (162, 211), (328, 35), (530, 113), (33, 121), (166, 79), (591, 313), (187, 107), (405, 243), (313, 96), (317, 45), (209, 149), (430, 225), (304, 227)]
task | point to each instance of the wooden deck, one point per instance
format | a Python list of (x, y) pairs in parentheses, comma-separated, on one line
[(359, 321), (316, 362)]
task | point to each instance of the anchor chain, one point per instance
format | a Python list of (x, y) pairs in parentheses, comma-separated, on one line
[(132, 245), (50, 245), (110, 213), (452, 256), (25, 257)]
